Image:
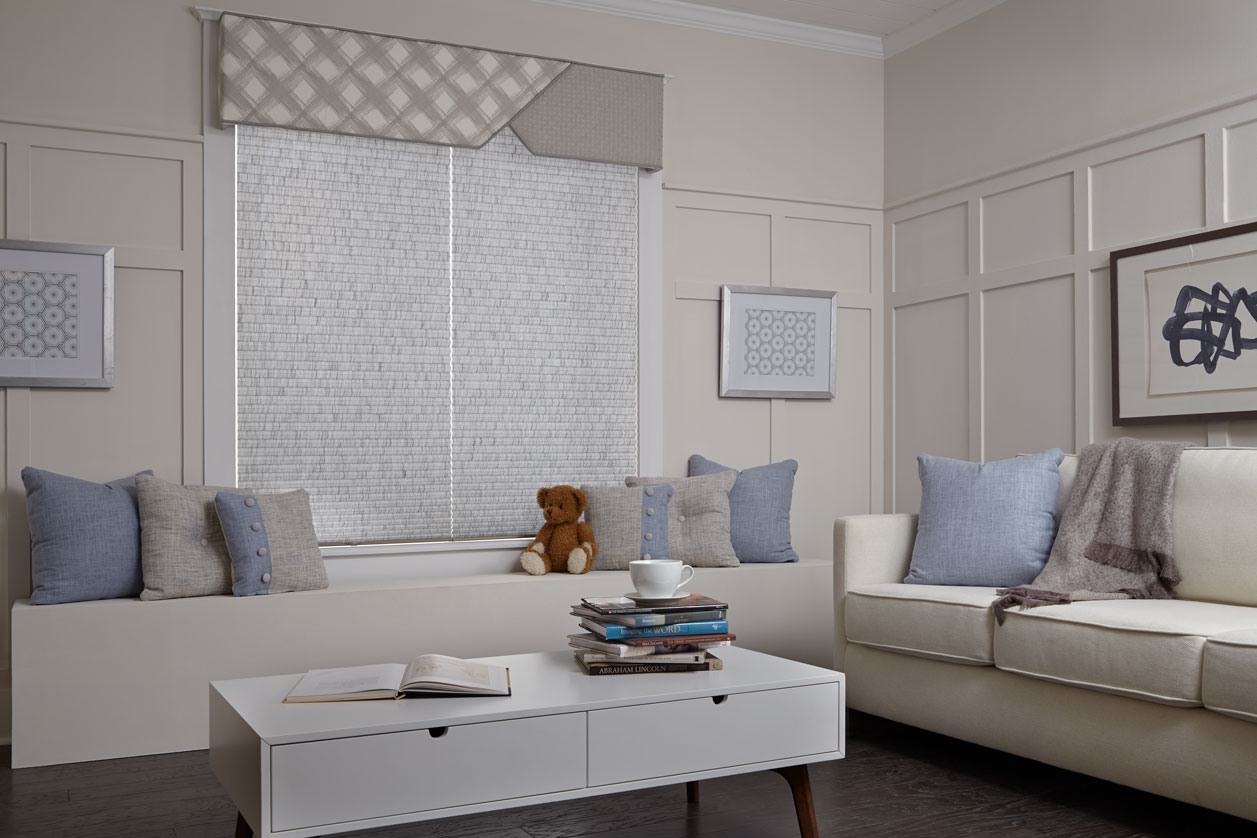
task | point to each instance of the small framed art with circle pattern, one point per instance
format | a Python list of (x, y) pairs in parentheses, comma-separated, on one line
[(56, 314), (778, 343)]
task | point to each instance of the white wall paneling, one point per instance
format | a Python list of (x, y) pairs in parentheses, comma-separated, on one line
[(712, 239), (1009, 275), (142, 195)]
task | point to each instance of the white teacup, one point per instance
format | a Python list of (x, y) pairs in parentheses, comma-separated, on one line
[(658, 578)]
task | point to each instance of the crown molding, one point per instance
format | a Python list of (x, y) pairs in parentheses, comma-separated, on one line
[(736, 23), (935, 24)]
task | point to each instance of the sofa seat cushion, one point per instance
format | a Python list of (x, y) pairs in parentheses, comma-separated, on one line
[(1146, 649), (945, 622), (1229, 675)]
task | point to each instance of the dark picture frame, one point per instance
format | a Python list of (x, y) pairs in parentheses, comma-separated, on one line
[(1203, 330)]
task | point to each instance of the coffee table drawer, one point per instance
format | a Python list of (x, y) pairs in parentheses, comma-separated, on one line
[(679, 737), (360, 777)]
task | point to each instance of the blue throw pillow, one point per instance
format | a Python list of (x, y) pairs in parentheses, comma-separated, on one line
[(759, 509), (988, 524), (85, 538)]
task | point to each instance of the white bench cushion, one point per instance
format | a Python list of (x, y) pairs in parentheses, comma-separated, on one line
[(1229, 675), (1146, 649), (944, 622)]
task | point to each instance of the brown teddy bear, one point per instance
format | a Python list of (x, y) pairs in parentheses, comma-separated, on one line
[(564, 542)]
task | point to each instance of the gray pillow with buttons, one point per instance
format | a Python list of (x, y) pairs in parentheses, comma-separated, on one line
[(182, 550), (271, 541), (628, 523), (698, 518)]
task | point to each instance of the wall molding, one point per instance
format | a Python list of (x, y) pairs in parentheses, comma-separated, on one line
[(935, 24), (729, 22)]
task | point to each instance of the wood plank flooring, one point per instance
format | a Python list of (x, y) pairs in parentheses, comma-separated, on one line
[(895, 781)]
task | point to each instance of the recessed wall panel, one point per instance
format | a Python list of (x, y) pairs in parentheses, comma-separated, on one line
[(1028, 367), (931, 248), (931, 381), (718, 247), (1028, 224), (3, 164), (137, 424), (818, 253), (1102, 427), (830, 441), (91, 197), (1154, 193), (1241, 171)]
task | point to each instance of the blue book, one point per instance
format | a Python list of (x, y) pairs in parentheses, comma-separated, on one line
[(615, 632)]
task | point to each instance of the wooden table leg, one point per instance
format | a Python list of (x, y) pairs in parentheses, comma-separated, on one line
[(691, 791), (243, 830), (801, 788)]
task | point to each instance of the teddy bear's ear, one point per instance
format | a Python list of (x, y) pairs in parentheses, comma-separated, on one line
[(541, 497), (580, 500)]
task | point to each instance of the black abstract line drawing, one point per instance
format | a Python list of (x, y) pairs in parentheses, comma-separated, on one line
[(1215, 327)]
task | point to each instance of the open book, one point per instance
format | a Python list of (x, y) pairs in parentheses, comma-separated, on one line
[(425, 675)]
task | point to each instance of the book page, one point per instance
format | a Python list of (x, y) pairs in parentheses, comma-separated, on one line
[(446, 671), (352, 679)]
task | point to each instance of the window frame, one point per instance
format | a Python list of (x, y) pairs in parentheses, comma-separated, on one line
[(219, 342)]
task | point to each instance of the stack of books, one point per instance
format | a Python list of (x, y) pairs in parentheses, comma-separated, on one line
[(622, 637)]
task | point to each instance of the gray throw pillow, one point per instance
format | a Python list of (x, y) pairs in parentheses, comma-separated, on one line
[(989, 525), (698, 518), (629, 523), (759, 509), (271, 541), (85, 538), (182, 544)]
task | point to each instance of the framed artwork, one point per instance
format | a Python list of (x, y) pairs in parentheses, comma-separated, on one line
[(778, 343), (1184, 326), (56, 314)]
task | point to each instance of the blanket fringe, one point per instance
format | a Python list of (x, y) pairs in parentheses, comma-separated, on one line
[(1026, 598)]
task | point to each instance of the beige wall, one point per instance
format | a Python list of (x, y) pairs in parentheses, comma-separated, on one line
[(1031, 78), (997, 290), (103, 144)]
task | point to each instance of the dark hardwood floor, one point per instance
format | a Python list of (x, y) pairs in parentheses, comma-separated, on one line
[(895, 781)]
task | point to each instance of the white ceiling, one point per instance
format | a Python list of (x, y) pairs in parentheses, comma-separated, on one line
[(871, 17)]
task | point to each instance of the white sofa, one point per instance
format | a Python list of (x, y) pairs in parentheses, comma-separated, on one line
[(1160, 695), (122, 677)]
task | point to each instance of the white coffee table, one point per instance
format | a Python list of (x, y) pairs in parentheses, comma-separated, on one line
[(320, 769)]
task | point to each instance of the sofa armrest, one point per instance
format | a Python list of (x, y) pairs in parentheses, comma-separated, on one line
[(868, 549)]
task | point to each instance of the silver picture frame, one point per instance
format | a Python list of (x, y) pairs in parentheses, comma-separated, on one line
[(85, 314), (746, 374)]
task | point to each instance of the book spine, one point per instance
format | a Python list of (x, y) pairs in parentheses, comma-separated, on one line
[(644, 668), (618, 632)]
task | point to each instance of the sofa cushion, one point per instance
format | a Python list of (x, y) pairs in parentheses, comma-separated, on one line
[(759, 508), (1215, 532), (1146, 649), (944, 622), (698, 517), (1229, 674)]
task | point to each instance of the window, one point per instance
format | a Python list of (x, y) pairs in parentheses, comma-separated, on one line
[(427, 335)]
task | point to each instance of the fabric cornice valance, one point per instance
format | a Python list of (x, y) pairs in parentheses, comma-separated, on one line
[(317, 78)]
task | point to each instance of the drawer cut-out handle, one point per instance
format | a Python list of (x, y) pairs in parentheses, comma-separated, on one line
[(719, 699), (437, 732)]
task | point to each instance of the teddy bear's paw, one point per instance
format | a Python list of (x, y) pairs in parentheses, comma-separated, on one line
[(578, 561), (532, 563)]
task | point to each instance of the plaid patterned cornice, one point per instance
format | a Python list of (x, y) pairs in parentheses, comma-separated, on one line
[(317, 78)]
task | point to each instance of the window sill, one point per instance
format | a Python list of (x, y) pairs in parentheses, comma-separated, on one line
[(384, 562)]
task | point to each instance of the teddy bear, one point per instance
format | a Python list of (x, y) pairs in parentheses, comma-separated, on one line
[(564, 542)]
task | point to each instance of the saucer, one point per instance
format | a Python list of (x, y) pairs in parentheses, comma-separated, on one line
[(657, 600)]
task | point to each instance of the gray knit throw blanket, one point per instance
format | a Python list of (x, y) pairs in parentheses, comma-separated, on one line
[(1116, 538)]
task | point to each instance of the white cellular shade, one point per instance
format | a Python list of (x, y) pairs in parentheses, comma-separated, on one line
[(545, 331), (419, 392), (343, 344)]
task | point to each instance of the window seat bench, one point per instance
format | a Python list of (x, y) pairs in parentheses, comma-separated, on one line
[(119, 678)]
